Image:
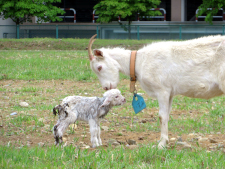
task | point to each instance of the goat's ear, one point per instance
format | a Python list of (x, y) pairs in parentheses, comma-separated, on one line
[(98, 53), (106, 102)]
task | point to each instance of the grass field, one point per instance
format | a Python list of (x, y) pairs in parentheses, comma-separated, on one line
[(39, 74)]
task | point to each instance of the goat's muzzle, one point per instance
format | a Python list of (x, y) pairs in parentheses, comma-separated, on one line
[(110, 87)]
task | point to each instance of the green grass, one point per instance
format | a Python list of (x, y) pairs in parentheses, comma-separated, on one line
[(46, 65), (36, 65), (142, 157)]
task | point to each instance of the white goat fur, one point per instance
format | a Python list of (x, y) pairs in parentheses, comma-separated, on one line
[(90, 109), (193, 68)]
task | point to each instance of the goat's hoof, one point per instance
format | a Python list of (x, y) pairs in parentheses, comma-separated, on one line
[(161, 147), (162, 144), (95, 146)]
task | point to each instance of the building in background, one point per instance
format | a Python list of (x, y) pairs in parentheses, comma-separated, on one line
[(176, 10), (7, 28)]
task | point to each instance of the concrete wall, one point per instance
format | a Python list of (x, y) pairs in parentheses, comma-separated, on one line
[(7, 28)]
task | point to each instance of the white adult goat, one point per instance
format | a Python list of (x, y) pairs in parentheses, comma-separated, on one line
[(193, 68)]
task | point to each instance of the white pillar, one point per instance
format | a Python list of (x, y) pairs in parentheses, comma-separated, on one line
[(183, 12)]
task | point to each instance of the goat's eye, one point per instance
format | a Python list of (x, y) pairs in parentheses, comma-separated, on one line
[(99, 68), (116, 96)]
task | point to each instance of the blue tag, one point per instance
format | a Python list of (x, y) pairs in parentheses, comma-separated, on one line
[(138, 103)]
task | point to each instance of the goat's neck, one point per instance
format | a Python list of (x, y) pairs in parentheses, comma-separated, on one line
[(124, 62), (105, 109)]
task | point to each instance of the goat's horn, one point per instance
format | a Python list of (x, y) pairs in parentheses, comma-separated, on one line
[(89, 47)]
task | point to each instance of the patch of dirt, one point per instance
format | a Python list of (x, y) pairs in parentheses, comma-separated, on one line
[(49, 92)]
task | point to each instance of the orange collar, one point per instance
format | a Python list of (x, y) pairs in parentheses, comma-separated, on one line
[(132, 71)]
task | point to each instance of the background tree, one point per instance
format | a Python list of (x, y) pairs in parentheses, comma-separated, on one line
[(215, 4), (109, 10), (22, 10)]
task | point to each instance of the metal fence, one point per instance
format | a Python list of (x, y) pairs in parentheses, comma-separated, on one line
[(111, 31)]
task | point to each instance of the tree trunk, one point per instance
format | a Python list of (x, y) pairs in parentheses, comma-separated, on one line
[(129, 30), (17, 23)]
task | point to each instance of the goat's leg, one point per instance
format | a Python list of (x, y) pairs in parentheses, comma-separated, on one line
[(58, 131), (165, 103), (94, 133), (99, 133), (55, 132)]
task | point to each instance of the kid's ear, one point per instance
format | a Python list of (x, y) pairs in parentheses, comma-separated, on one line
[(106, 102), (98, 53)]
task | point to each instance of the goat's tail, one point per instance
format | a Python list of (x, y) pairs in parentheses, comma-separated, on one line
[(54, 110)]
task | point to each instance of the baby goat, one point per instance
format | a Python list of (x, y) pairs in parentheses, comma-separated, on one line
[(90, 109)]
